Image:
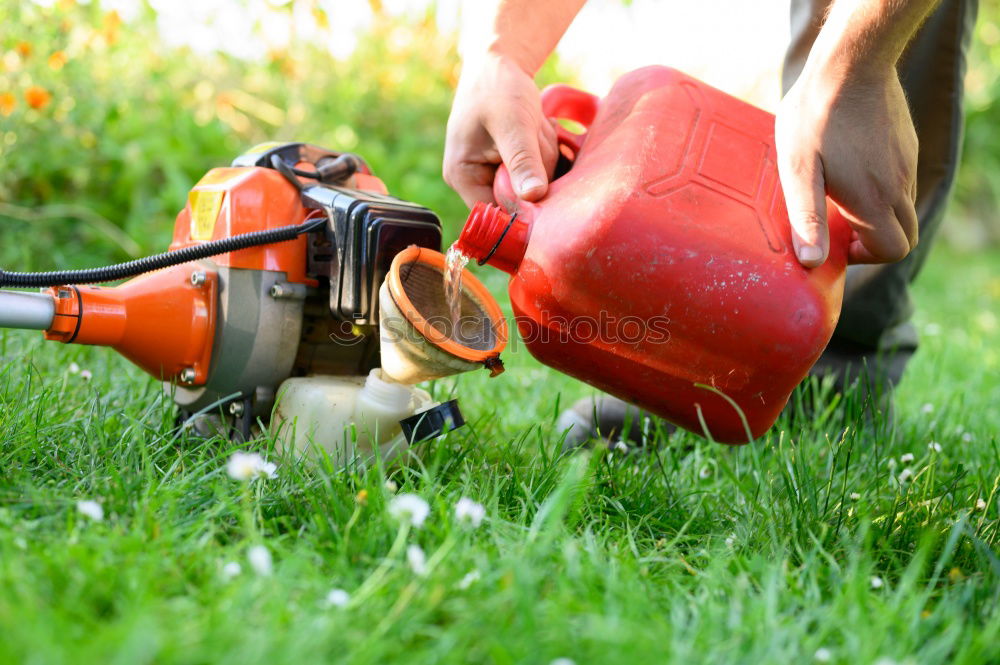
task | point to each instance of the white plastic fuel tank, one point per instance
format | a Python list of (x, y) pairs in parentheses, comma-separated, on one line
[(348, 417)]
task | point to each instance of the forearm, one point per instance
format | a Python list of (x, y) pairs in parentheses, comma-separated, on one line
[(867, 35), (525, 31)]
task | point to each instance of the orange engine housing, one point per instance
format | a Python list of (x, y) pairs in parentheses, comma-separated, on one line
[(164, 321), (234, 200)]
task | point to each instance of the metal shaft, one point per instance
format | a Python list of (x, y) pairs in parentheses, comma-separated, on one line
[(21, 309)]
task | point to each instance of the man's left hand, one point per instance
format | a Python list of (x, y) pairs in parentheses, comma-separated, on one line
[(848, 134)]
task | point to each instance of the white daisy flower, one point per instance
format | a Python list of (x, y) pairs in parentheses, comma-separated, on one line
[(260, 560), (730, 541), (470, 578), (934, 446), (417, 559), (86, 375), (980, 504), (705, 473), (231, 570), (391, 486), (562, 661), (891, 463), (823, 655), (877, 582), (621, 447), (855, 496), (74, 368), (905, 476), (927, 408), (906, 458), (91, 509), (469, 513), (247, 466), (411, 508), (967, 437), (337, 598)]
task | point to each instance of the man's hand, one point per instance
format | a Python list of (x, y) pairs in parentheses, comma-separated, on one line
[(850, 137), (844, 130), (497, 117), (497, 113)]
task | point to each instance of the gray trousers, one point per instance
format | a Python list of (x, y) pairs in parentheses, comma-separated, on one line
[(874, 328)]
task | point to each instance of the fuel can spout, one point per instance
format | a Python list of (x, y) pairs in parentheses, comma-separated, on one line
[(493, 236)]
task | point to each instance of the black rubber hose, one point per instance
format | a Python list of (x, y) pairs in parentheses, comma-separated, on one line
[(157, 261)]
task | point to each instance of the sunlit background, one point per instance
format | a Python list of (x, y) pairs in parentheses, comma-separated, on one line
[(110, 110), (740, 54)]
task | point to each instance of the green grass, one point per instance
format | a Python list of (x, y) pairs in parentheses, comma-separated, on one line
[(696, 554)]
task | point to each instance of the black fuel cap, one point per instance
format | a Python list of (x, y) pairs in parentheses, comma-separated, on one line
[(433, 422)]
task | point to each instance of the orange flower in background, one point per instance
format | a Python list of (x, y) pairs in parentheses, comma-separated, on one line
[(57, 60), (7, 103), (321, 18), (37, 97), (112, 21), (24, 49)]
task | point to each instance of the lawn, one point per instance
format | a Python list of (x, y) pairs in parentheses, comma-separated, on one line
[(823, 542)]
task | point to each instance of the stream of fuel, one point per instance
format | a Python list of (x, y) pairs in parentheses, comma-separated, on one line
[(455, 263)]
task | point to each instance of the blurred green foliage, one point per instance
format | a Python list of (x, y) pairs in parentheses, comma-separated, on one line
[(977, 193), (98, 117), (125, 127), (101, 115)]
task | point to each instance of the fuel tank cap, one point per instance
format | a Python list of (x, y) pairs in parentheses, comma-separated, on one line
[(433, 422)]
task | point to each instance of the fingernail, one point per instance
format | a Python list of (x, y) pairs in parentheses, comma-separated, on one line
[(810, 253), (530, 183)]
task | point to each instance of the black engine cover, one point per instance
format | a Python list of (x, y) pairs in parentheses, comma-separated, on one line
[(364, 234)]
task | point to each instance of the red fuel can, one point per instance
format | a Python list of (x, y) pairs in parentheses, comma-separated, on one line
[(659, 268)]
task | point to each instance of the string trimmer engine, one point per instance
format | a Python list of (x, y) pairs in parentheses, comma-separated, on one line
[(274, 271)]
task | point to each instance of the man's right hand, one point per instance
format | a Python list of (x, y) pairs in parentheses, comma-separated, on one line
[(497, 117)]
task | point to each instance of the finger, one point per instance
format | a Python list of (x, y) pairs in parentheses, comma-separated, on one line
[(517, 141), (906, 215), (472, 180), (548, 143), (475, 193), (858, 253), (880, 240), (805, 198)]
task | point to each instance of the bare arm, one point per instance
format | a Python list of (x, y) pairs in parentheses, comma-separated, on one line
[(497, 115), (844, 130)]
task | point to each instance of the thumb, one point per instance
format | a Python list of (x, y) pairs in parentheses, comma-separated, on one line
[(517, 143), (805, 198)]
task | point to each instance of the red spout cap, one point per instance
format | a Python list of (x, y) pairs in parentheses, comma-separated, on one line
[(495, 237)]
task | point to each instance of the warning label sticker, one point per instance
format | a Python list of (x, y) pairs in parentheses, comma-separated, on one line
[(205, 207)]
